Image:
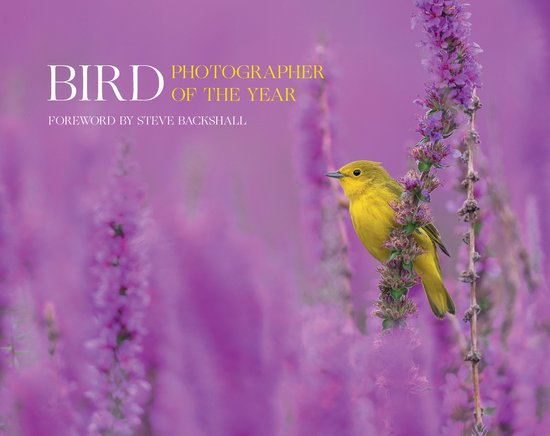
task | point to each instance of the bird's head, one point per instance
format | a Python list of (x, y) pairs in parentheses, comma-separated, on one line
[(358, 176)]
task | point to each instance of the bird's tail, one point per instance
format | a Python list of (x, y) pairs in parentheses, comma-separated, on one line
[(440, 300)]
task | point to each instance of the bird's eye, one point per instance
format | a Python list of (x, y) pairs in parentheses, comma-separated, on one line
[(356, 172)]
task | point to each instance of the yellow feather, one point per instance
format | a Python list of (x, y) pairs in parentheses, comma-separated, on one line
[(370, 189)]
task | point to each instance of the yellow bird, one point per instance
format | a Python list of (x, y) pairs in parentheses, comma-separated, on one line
[(370, 189)]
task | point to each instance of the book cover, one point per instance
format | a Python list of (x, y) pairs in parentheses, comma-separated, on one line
[(274, 218)]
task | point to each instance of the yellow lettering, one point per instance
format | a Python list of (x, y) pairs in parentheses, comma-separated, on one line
[(318, 72)]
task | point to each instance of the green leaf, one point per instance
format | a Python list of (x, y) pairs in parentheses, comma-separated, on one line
[(408, 266), (421, 197), (409, 228), (118, 230), (123, 335), (424, 140), (398, 293), (393, 255), (448, 134), (424, 167), (387, 324), (489, 410), (477, 227)]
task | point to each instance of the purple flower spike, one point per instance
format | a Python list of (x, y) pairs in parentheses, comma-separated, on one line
[(451, 55), (121, 270), (322, 200), (454, 77)]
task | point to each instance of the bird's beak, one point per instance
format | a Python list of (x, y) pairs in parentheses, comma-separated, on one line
[(335, 174)]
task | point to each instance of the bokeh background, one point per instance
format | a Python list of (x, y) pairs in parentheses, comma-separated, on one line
[(237, 342)]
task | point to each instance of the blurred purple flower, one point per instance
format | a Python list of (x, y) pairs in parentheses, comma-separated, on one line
[(520, 380), (322, 198), (38, 403), (221, 318), (534, 241), (6, 271), (11, 228), (335, 388), (314, 154), (402, 391), (121, 270)]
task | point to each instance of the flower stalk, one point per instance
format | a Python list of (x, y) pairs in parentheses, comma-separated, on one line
[(469, 212), (51, 326)]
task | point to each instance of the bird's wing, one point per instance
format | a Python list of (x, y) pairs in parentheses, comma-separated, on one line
[(396, 189), (434, 235)]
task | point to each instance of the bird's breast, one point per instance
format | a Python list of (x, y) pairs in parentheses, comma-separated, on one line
[(373, 219)]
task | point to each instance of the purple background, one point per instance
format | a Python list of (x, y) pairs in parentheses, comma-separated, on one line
[(378, 75), (236, 189)]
